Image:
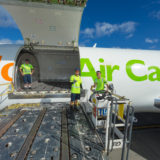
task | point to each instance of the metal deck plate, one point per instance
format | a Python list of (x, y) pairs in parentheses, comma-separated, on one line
[(62, 134), (44, 90), (12, 141), (83, 142)]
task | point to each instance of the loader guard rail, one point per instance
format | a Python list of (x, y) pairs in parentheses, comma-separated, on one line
[(9, 89), (115, 114)]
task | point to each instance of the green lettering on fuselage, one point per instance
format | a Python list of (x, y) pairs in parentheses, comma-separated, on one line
[(130, 72), (91, 71), (153, 76), (85, 62), (102, 68), (110, 71)]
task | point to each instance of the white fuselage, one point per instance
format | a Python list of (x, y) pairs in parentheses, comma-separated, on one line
[(134, 73)]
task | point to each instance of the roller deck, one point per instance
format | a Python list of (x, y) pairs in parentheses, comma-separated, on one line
[(50, 131)]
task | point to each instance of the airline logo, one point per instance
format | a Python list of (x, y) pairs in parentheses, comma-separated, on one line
[(153, 71), (4, 72)]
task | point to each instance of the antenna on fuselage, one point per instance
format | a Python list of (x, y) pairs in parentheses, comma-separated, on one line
[(95, 45)]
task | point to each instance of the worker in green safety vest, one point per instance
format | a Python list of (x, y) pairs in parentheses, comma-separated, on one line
[(99, 83), (27, 70), (76, 84)]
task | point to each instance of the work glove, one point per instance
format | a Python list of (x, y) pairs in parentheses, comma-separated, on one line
[(74, 81)]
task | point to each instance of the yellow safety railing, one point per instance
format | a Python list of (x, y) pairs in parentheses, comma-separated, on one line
[(7, 90), (121, 110), (27, 105)]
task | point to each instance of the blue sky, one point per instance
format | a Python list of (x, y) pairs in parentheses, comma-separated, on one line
[(109, 23)]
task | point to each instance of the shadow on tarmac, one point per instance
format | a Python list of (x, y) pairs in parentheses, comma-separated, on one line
[(146, 136)]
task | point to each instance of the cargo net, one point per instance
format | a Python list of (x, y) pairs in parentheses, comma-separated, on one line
[(80, 3)]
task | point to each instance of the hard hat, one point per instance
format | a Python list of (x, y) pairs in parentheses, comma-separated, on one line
[(77, 69)]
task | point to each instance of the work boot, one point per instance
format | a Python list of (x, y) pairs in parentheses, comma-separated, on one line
[(76, 109), (25, 87), (29, 86), (71, 107)]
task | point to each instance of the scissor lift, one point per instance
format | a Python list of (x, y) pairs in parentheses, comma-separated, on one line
[(113, 114)]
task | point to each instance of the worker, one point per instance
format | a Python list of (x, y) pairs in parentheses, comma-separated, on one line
[(76, 84), (99, 83), (27, 70)]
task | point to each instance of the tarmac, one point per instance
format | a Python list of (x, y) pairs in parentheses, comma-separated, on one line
[(145, 139), (145, 146)]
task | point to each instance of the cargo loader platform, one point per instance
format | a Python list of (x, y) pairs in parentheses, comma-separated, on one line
[(50, 131), (44, 90)]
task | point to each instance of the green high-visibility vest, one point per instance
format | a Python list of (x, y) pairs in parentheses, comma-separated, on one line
[(76, 87), (100, 84), (26, 68)]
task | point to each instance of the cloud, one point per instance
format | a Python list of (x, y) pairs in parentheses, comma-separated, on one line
[(5, 41), (19, 42), (5, 19), (88, 32), (153, 47), (8, 41), (156, 2), (151, 41), (85, 43), (106, 29), (128, 27), (129, 36), (156, 14)]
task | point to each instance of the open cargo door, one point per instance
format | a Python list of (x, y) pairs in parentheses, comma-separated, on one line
[(52, 32), (46, 23)]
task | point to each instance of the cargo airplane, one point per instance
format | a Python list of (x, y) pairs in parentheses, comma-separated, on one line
[(51, 33)]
